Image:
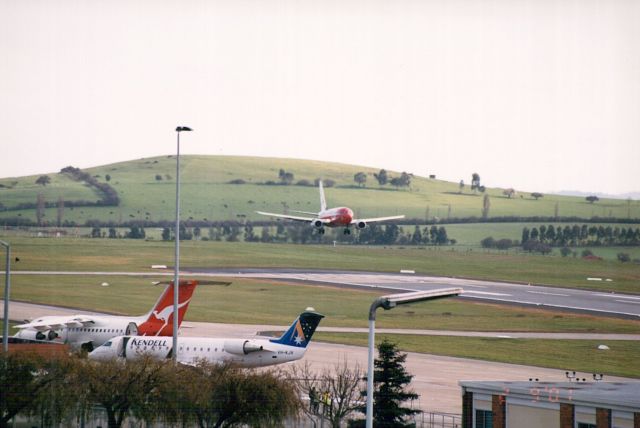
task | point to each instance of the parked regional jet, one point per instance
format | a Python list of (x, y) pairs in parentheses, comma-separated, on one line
[(91, 331), (242, 352), (332, 217)]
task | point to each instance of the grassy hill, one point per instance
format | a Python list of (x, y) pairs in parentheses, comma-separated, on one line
[(146, 188)]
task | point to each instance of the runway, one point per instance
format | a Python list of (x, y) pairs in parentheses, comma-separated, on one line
[(435, 377), (601, 303), (564, 299)]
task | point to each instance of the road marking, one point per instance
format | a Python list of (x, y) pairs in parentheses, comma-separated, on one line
[(486, 293), (626, 301), (624, 297), (548, 294)]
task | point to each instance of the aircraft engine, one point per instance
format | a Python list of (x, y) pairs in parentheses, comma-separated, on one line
[(241, 347), (37, 335), (317, 223), (361, 225)]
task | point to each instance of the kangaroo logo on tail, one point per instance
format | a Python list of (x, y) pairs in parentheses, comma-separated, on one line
[(158, 320)]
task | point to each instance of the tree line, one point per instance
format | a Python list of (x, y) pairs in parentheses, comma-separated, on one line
[(582, 235), (63, 388)]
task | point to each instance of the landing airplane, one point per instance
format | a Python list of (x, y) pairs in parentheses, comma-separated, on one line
[(332, 217), (91, 331), (290, 346)]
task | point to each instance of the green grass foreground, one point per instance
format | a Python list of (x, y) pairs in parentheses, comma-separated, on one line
[(80, 254), (249, 301), (578, 355)]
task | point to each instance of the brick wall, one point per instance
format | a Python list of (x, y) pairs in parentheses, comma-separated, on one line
[(498, 405), (567, 416), (467, 410), (603, 418)]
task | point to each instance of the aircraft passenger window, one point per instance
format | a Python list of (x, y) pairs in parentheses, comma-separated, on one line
[(200, 349), (208, 349), (107, 344)]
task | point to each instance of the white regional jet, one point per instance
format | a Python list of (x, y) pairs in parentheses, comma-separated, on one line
[(332, 217), (241, 352), (91, 331)]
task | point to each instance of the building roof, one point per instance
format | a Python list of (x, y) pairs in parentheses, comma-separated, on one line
[(612, 395)]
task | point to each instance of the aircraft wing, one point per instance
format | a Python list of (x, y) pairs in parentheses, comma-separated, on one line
[(289, 217), (376, 219), (56, 323)]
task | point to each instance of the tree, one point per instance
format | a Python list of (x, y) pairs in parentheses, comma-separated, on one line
[(536, 195), (486, 205), (341, 382), (285, 177), (166, 234), (592, 198), (475, 181), (381, 177), (461, 186), (158, 177), (118, 386), (60, 212), (390, 380), (112, 233), (107, 177), (23, 378), (509, 193), (40, 205), (360, 178), (136, 232), (43, 180)]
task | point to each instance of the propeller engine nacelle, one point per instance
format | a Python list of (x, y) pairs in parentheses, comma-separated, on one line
[(317, 223), (361, 225), (241, 347)]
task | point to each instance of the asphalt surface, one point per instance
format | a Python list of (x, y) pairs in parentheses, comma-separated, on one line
[(565, 299), (435, 377), (611, 304)]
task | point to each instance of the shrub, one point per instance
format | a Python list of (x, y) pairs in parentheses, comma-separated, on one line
[(624, 257)]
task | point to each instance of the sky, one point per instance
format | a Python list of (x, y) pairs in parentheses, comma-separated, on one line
[(538, 95)]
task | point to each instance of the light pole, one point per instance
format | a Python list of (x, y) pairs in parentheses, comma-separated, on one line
[(7, 289), (388, 302), (176, 279)]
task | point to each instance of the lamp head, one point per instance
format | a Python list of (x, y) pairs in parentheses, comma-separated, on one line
[(183, 128)]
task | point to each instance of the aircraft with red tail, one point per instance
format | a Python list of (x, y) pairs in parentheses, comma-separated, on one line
[(90, 331), (332, 217)]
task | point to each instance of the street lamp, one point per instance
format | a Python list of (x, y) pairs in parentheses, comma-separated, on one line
[(176, 279), (7, 288), (388, 302)]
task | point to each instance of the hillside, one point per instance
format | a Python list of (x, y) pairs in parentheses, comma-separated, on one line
[(146, 188)]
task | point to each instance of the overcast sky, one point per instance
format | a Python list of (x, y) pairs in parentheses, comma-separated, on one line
[(539, 95)]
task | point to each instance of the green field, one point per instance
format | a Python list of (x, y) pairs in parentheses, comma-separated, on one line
[(349, 308), (578, 355), (64, 254), (206, 194), (343, 308)]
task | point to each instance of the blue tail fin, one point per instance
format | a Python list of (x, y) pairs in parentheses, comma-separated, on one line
[(302, 329)]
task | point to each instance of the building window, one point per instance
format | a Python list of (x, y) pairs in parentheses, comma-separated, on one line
[(586, 425), (484, 419)]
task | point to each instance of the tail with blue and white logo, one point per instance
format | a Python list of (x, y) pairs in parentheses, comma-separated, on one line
[(302, 329)]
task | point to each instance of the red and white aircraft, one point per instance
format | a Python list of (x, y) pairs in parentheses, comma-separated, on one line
[(332, 217), (90, 331)]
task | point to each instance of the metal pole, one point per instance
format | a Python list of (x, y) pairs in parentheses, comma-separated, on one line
[(7, 290), (176, 279), (369, 418), (372, 333)]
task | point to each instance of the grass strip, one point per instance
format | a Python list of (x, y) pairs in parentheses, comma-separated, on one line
[(579, 355)]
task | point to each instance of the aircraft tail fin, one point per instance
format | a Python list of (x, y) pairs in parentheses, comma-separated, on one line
[(159, 321), (302, 329), (323, 201)]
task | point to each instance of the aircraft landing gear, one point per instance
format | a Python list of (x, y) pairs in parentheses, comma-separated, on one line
[(347, 231), (321, 231)]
